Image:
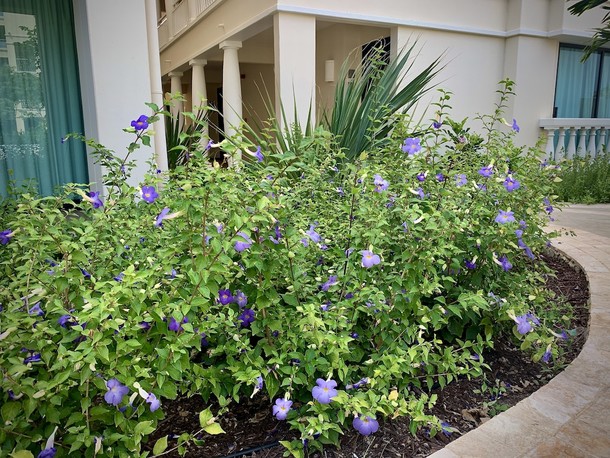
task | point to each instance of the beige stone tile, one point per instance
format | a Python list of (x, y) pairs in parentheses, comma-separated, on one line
[(555, 448), (587, 434), (561, 399), (444, 453), (511, 434)]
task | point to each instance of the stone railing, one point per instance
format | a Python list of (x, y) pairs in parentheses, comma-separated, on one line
[(575, 137), (181, 15)]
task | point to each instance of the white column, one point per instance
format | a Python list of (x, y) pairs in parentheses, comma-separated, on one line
[(571, 144), (550, 143), (592, 142), (155, 82), (199, 92), (560, 149), (231, 88), (176, 87), (582, 142), (295, 65)]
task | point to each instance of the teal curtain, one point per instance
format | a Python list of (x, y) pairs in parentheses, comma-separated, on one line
[(603, 103), (576, 84), (40, 97)]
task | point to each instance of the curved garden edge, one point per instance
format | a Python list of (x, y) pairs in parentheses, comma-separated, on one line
[(567, 416)]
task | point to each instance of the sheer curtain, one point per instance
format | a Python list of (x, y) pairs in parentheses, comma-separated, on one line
[(576, 83), (603, 103), (40, 96)]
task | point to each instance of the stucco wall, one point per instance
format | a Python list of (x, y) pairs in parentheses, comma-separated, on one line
[(115, 75)]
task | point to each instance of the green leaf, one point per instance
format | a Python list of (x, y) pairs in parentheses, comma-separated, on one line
[(204, 417), (22, 454), (10, 410), (213, 428), (143, 428), (160, 446)]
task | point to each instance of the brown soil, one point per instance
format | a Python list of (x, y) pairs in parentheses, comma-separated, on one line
[(252, 431)]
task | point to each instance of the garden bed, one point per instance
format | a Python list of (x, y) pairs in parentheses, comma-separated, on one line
[(251, 429)]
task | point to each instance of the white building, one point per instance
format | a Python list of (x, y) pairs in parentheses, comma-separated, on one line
[(99, 62), (80, 66), (295, 48)]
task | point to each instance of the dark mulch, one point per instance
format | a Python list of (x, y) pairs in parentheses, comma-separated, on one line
[(252, 431)]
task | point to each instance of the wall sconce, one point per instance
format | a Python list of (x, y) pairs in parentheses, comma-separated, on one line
[(329, 71)]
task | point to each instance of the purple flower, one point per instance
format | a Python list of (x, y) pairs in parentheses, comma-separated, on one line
[(523, 324), (549, 207), (47, 453), (161, 217), (511, 184), (149, 194), (325, 305), (242, 245), (116, 392), (225, 297), (515, 126), (411, 146), (470, 264), (519, 233), (332, 281), (141, 123), (174, 325), (144, 325), (94, 198), (325, 391), (246, 317), (365, 425), (313, 235), (486, 171), (36, 310), (358, 384), (523, 224), (504, 217), (153, 401), (65, 320), (281, 408), (446, 428), (369, 259), (440, 177), (354, 335), (421, 176), (33, 358), (437, 124), (420, 193), (259, 382), (546, 357), (380, 184), (119, 277), (86, 274), (461, 180), (240, 298), (278, 234), (204, 340), (258, 155), (505, 263), (5, 236)]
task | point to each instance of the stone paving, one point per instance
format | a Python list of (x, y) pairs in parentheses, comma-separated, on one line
[(568, 417)]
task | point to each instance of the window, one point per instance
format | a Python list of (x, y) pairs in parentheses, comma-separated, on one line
[(39, 97), (583, 88)]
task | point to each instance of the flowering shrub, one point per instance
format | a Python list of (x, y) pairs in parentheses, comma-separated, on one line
[(342, 293)]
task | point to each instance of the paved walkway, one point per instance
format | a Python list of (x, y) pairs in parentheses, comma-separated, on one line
[(570, 416)]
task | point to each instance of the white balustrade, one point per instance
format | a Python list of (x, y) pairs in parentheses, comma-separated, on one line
[(568, 138), (181, 15)]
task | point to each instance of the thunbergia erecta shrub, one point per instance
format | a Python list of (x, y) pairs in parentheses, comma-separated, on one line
[(341, 292)]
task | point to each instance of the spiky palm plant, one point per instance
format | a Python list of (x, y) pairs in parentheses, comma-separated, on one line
[(365, 105)]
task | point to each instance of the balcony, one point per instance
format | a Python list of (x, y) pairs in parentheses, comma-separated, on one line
[(575, 137), (179, 17)]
